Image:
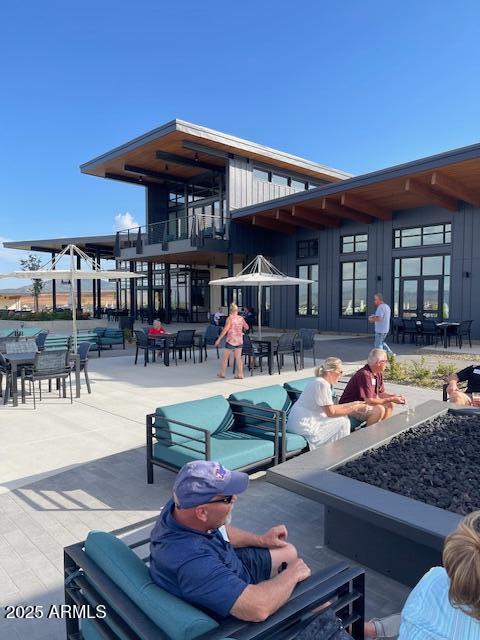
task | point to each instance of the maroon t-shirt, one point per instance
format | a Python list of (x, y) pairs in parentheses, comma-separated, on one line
[(362, 386)]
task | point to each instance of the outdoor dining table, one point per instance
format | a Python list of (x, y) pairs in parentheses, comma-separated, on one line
[(271, 341), (444, 326), (160, 342), (16, 360)]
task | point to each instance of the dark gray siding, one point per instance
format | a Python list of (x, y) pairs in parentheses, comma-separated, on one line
[(465, 258)]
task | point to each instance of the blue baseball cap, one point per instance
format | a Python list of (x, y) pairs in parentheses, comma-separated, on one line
[(199, 481)]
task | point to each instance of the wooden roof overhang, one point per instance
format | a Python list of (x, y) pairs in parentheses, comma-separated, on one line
[(103, 245), (179, 151), (442, 180)]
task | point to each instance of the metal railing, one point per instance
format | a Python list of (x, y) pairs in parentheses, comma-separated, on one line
[(197, 228)]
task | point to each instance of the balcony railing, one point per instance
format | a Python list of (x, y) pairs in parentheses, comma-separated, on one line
[(197, 228)]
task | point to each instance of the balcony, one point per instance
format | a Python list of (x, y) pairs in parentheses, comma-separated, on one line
[(196, 231)]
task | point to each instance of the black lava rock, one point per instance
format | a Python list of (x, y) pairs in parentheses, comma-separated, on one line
[(437, 463)]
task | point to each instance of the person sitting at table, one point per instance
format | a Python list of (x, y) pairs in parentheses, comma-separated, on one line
[(367, 385), (217, 315), (314, 415), (469, 397), (157, 330)]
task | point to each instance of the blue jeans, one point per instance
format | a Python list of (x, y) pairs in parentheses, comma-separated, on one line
[(380, 342)]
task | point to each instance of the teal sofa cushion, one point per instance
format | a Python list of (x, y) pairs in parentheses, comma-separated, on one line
[(233, 449), (100, 331), (213, 414), (294, 442), (298, 385), (178, 619), (272, 397)]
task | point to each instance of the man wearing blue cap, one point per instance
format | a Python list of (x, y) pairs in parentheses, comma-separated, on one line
[(196, 555)]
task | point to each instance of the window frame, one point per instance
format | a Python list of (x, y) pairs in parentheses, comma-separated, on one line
[(356, 241), (309, 313), (358, 314), (421, 235)]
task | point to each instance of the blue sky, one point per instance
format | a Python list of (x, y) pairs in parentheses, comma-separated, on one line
[(357, 85)]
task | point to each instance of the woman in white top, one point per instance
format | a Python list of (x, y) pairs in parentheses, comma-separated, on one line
[(314, 415)]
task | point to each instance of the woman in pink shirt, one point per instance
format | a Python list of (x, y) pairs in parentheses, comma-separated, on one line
[(233, 329)]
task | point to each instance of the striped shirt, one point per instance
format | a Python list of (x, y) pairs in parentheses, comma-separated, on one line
[(428, 614)]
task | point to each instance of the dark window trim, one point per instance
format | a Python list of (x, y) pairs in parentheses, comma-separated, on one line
[(309, 313), (359, 315), (355, 250), (422, 245), (309, 242)]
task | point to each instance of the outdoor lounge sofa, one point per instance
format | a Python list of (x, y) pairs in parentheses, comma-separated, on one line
[(108, 337), (273, 402), (103, 570), (206, 429)]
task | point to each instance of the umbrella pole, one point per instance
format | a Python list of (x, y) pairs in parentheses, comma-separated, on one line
[(259, 302), (74, 302)]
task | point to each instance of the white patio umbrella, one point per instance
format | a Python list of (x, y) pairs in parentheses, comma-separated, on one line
[(260, 273), (49, 271)]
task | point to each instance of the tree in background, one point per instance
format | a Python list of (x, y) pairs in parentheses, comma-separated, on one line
[(32, 263)]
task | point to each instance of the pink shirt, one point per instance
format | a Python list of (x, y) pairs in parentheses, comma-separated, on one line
[(235, 330)]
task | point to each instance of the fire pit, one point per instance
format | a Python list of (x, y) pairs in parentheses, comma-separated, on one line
[(393, 491), (437, 463)]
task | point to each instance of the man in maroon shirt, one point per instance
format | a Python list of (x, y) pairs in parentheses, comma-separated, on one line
[(367, 385)]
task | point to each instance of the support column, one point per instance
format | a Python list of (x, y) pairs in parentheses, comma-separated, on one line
[(168, 295), (94, 297), (230, 274), (150, 291), (133, 306), (54, 287), (79, 284), (99, 286)]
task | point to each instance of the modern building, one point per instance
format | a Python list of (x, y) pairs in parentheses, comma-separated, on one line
[(214, 201)]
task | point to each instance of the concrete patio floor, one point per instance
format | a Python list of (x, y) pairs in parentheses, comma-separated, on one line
[(66, 469)]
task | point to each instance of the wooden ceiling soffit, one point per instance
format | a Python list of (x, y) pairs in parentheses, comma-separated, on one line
[(418, 188), (369, 208), (451, 187), (273, 225), (286, 218), (316, 217), (344, 212), (299, 221)]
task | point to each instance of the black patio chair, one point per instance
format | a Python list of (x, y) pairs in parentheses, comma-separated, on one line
[(185, 339), (397, 329), (429, 332), (40, 340), (5, 370), (83, 349), (308, 340), (48, 365), (142, 342), (286, 346), (254, 352), (463, 331), (410, 328), (209, 338)]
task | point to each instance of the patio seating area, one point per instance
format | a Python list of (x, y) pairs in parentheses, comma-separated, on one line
[(62, 475), (429, 332)]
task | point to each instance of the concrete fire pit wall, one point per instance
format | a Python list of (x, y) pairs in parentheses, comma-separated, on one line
[(397, 536)]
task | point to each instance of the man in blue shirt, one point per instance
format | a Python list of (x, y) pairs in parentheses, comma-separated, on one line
[(196, 555), (381, 319)]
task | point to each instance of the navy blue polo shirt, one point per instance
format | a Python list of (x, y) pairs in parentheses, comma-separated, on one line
[(201, 568)]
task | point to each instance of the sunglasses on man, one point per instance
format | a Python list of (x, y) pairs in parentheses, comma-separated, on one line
[(225, 500)]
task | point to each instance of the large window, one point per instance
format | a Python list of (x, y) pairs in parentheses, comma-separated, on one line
[(307, 249), (284, 179), (422, 236), (353, 294), (307, 300), (355, 243), (421, 287)]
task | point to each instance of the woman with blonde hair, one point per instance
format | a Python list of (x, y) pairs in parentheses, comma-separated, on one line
[(314, 415), (233, 329)]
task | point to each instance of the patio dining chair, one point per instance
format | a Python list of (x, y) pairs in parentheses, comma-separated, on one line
[(254, 352), (429, 332), (308, 340), (185, 339), (40, 340), (286, 346), (463, 331), (21, 346), (83, 349), (5, 371), (48, 365), (143, 343), (410, 328), (209, 338)]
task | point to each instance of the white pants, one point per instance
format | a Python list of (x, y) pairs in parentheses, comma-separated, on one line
[(317, 432)]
